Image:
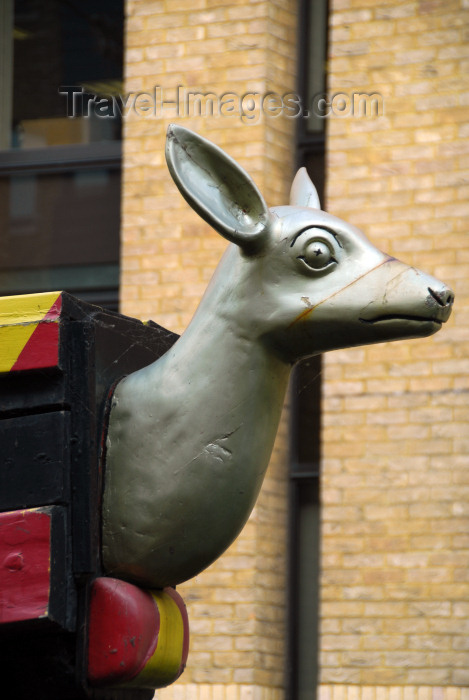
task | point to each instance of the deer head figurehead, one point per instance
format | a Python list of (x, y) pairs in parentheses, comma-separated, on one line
[(190, 436), (321, 285)]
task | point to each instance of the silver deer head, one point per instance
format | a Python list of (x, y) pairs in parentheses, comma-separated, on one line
[(191, 435)]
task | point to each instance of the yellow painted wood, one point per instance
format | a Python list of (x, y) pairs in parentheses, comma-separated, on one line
[(19, 317), (12, 341), (26, 308), (163, 666)]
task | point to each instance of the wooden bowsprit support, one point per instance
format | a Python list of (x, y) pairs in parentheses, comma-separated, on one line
[(65, 631)]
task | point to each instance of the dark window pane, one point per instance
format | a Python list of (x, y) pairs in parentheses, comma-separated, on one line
[(64, 43), (60, 176)]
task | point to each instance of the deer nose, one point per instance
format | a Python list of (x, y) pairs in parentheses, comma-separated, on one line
[(443, 297)]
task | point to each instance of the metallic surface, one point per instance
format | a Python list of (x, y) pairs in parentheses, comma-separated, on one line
[(191, 435)]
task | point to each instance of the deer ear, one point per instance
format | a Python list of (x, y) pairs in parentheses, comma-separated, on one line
[(217, 188), (303, 193)]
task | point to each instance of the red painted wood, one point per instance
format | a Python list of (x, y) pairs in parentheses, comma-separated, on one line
[(25, 563), (42, 349), (123, 631)]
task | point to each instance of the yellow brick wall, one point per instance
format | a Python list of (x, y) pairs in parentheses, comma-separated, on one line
[(326, 692), (395, 519), (237, 607)]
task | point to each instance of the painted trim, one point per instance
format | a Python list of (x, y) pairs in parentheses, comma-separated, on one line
[(123, 631), (25, 553), (29, 331), (169, 658), (137, 638)]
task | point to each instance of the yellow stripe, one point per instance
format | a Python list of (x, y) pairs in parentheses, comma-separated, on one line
[(12, 341), (25, 308), (19, 317), (163, 666)]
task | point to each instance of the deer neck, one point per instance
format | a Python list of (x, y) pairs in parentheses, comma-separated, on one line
[(220, 350), (221, 347)]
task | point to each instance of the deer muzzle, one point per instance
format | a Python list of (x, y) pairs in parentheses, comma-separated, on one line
[(403, 293)]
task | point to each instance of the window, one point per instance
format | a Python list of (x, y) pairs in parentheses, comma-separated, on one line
[(60, 168)]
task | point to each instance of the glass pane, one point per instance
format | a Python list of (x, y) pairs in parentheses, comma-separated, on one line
[(60, 43), (60, 173), (59, 219)]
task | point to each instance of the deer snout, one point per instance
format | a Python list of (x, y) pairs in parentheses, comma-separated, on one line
[(402, 298), (444, 297)]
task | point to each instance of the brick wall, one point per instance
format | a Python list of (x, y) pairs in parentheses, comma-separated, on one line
[(237, 607), (326, 692), (395, 523), (394, 580)]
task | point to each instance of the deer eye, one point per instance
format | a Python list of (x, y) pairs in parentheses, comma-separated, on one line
[(318, 255)]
